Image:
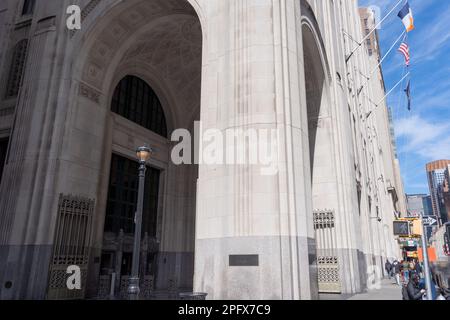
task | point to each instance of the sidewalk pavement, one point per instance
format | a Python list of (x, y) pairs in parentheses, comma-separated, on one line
[(388, 291)]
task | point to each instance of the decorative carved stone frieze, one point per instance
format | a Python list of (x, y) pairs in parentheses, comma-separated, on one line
[(89, 93)]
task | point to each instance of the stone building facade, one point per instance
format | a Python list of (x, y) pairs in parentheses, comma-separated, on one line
[(75, 104)]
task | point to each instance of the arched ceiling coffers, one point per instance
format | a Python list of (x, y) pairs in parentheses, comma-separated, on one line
[(164, 35), (173, 48), (122, 22)]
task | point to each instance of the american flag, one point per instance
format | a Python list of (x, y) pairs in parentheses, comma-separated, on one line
[(404, 49)]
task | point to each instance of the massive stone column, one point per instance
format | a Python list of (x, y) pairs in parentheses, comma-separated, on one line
[(254, 231), (27, 190)]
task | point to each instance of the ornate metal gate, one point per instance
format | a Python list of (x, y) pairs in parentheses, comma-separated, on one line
[(71, 245), (327, 258)]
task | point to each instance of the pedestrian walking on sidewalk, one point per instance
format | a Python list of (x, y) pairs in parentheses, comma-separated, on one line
[(396, 268), (388, 268), (405, 268), (418, 268)]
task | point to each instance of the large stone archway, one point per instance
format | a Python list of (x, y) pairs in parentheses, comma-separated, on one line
[(321, 154), (160, 42), (340, 269)]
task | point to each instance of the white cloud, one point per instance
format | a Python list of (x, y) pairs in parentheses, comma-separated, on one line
[(431, 141), (438, 150)]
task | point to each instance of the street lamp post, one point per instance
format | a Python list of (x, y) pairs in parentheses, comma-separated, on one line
[(143, 154)]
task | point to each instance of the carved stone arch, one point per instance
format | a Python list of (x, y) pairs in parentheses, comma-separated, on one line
[(99, 59), (321, 133), (84, 38), (309, 20), (96, 8), (160, 42)]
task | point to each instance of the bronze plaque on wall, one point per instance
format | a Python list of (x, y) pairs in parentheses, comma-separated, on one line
[(246, 260)]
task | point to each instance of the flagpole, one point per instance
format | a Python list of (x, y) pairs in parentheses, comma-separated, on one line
[(382, 60), (385, 56), (387, 94), (390, 91), (373, 30)]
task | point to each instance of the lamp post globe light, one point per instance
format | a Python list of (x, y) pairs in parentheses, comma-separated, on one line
[(143, 155)]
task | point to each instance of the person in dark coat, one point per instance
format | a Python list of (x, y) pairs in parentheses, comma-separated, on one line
[(414, 291), (418, 268), (388, 268), (396, 269)]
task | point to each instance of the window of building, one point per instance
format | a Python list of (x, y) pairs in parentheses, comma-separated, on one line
[(107, 265), (17, 69), (134, 100), (122, 197), (28, 7), (3, 150)]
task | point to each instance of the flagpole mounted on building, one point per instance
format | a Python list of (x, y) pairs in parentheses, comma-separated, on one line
[(381, 61), (347, 59), (387, 94)]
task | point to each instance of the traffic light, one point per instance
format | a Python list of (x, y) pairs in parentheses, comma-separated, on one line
[(401, 228), (417, 228)]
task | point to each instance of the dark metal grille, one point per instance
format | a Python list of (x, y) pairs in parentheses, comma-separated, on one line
[(327, 255), (323, 220), (71, 246), (122, 197), (134, 100)]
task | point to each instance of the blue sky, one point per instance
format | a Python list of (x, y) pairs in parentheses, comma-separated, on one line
[(422, 135)]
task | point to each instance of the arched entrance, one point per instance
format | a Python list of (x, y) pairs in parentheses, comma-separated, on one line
[(139, 78), (321, 146)]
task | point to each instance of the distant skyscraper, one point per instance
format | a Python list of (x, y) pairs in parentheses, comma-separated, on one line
[(447, 191), (436, 177), (368, 22), (418, 204)]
